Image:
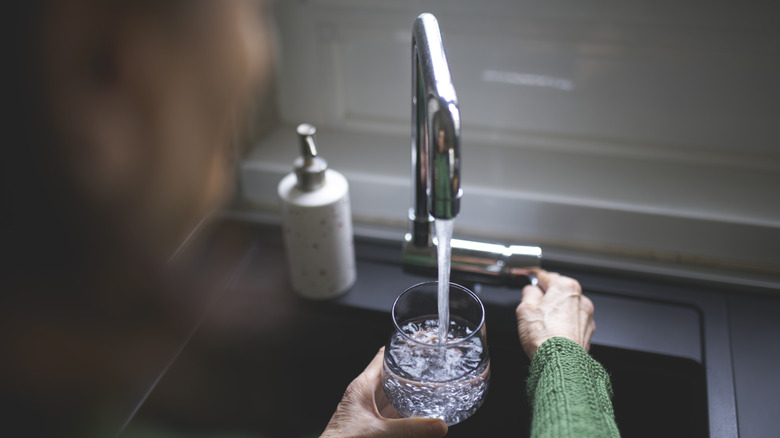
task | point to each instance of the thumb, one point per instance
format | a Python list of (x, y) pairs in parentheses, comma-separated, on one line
[(415, 428)]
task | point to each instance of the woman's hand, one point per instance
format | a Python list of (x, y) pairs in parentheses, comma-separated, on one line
[(365, 412), (554, 308)]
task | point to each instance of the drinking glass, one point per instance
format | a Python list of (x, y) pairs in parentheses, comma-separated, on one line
[(423, 377)]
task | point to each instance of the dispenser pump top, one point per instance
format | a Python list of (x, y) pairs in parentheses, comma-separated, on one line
[(309, 168)]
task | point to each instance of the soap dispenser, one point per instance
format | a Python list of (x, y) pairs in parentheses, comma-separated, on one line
[(317, 224)]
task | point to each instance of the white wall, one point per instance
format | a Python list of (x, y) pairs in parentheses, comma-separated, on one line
[(642, 128)]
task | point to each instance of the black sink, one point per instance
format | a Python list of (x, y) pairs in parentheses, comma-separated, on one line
[(289, 385), (270, 364)]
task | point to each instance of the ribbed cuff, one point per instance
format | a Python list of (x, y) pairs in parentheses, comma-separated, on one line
[(569, 392)]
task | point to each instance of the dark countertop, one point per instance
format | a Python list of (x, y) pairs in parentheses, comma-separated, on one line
[(264, 361)]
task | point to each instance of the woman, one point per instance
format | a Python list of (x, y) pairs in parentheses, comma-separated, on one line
[(125, 111)]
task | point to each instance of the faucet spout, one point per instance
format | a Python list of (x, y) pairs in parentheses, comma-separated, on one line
[(435, 130), (436, 190)]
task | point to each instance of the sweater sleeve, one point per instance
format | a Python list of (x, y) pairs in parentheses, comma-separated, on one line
[(569, 393)]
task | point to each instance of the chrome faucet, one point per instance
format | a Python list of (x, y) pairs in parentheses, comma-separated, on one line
[(435, 131), (436, 190)]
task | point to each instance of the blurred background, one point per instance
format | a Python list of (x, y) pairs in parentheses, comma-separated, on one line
[(641, 133)]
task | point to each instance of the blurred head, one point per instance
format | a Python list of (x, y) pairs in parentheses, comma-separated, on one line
[(125, 111), (133, 107)]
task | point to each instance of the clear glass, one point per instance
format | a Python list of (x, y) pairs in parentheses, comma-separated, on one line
[(423, 377)]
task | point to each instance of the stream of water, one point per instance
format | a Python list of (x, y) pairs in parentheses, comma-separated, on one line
[(444, 250)]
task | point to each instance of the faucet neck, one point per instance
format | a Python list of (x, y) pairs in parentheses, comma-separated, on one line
[(436, 188), (435, 131)]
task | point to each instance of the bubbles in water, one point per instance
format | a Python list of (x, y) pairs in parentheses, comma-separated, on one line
[(427, 379), (435, 363)]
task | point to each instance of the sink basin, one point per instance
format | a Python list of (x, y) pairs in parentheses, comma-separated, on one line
[(266, 363), (288, 386), (656, 395)]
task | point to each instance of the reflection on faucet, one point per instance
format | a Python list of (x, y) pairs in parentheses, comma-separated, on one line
[(435, 117), (436, 190), (445, 190)]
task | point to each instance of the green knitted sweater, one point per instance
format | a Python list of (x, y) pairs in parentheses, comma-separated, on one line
[(569, 392)]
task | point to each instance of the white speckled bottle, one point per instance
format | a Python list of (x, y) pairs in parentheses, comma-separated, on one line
[(317, 224)]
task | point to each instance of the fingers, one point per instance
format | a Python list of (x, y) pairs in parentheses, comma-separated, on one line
[(555, 307), (543, 278), (358, 414), (403, 427), (559, 285), (586, 318), (553, 280), (374, 369), (586, 309), (550, 283), (532, 295), (589, 330)]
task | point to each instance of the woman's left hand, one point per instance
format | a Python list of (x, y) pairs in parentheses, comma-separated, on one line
[(365, 412)]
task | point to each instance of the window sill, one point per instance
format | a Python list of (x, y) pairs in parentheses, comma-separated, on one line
[(625, 212)]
